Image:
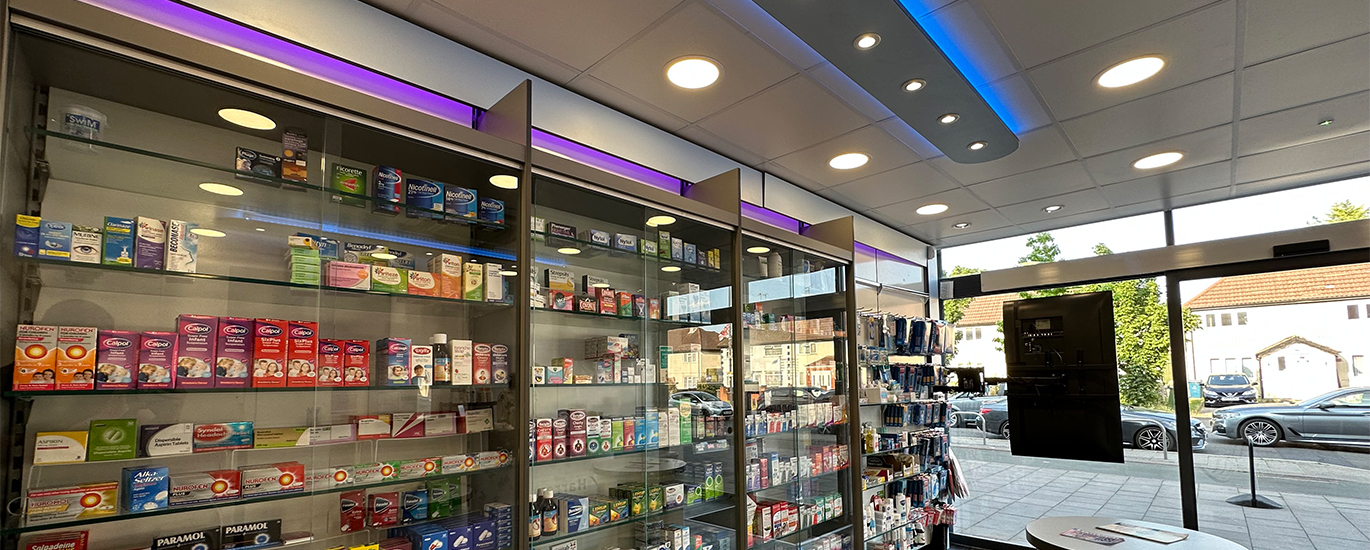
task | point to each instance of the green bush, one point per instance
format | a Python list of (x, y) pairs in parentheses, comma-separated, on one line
[(1195, 403)]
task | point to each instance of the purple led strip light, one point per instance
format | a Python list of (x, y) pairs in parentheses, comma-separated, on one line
[(590, 156), (770, 217), (226, 34)]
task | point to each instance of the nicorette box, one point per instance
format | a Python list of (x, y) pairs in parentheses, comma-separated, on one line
[(269, 347), (112, 440), (221, 437), (35, 357), (283, 477), (166, 439), (59, 447), (233, 349), (145, 488), (195, 343), (116, 359), (76, 351), (118, 245), (73, 502), (301, 355), (157, 360), (350, 183), (210, 486)]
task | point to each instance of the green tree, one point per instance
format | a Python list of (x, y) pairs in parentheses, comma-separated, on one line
[(1343, 211)]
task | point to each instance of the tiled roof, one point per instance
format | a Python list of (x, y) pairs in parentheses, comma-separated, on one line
[(986, 310), (1286, 287)]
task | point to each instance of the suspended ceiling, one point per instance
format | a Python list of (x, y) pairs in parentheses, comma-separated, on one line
[(1245, 86)]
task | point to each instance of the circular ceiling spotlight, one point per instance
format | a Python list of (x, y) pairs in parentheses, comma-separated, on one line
[(508, 273), (656, 221), (914, 85), (758, 250), (693, 73), (848, 161), (207, 232), (221, 189), (867, 41), (961, 225), (383, 256), (1053, 209), (930, 209), (247, 119), (949, 118), (569, 251), (1131, 72), (670, 268), (977, 146), (504, 181), (1158, 160)]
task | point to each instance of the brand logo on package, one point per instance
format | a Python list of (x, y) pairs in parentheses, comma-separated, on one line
[(301, 332), (389, 176), (348, 504), (411, 502), (421, 351), (463, 196), (329, 347), (247, 154), (356, 349), (117, 343), (423, 188), (500, 348), (381, 504), (398, 347), (211, 432), (268, 330), (234, 330), (483, 348), (56, 226), (198, 328), (83, 121), (491, 205), (156, 343)]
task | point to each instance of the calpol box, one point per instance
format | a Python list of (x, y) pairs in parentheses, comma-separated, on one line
[(270, 341), (302, 354), (35, 357), (330, 363), (195, 342), (233, 352), (76, 352), (157, 360), (356, 363), (116, 359)]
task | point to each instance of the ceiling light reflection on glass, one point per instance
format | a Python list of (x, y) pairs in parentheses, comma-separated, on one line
[(758, 250), (1158, 160), (503, 181), (383, 256), (930, 209), (247, 119), (207, 232), (848, 161), (867, 41), (656, 221), (569, 251), (221, 189), (693, 73), (1131, 72), (670, 268)]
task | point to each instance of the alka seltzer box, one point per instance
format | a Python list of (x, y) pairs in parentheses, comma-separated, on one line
[(460, 202), (481, 363), (356, 363), (473, 281), (387, 191), (157, 360), (67, 540), (392, 361), (35, 357), (26, 231), (221, 437), (59, 447), (85, 501), (349, 184), (201, 487), (233, 349), (421, 283), (54, 240), (302, 354), (196, 338), (166, 439), (423, 198), (145, 488), (85, 244), (499, 364), (76, 351), (491, 210), (389, 279), (270, 479), (149, 243), (118, 246), (463, 357), (269, 345), (447, 274), (112, 440), (116, 359), (182, 246)]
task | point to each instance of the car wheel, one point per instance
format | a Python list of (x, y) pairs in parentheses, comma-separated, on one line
[(1261, 432), (1003, 430), (954, 421), (1152, 438)]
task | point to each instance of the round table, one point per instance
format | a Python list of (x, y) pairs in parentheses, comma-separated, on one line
[(1045, 534)]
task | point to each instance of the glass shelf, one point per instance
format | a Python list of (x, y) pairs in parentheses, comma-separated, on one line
[(633, 320), (888, 451), (606, 385), (784, 484), (890, 530), (97, 393), (597, 251), (868, 486), (797, 430), (691, 511), (610, 455)]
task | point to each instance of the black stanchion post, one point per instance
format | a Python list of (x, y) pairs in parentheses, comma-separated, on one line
[(1253, 500)]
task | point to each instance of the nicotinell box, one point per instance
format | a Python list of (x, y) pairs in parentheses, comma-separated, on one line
[(473, 281), (446, 270), (388, 192), (149, 243), (491, 210), (200, 487), (195, 342), (330, 363), (269, 345), (389, 279), (350, 184), (157, 360), (348, 275), (74, 502), (282, 477), (625, 242), (145, 488), (392, 361), (59, 447), (373, 426), (499, 364), (301, 355), (424, 198), (69, 540), (422, 283), (76, 351), (384, 509), (116, 359), (481, 363), (375, 472), (115, 439), (220, 437), (406, 424), (460, 201), (35, 357), (463, 356), (357, 363), (421, 365), (118, 245), (26, 231), (54, 240), (182, 246), (353, 510), (85, 244), (233, 351), (166, 439)]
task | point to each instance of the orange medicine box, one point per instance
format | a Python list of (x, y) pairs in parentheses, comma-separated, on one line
[(35, 358), (446, 270), (76, 358)]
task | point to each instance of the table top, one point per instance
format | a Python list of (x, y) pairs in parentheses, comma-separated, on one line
[(1045, 534)]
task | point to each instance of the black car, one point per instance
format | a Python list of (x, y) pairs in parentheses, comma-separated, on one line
[(1141, 427), (964, 407), (1222, 390)]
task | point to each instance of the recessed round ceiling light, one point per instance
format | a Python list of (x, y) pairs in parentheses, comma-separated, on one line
[(847, 161), (914, 85), (867, 41), (693, 73), (383, 256), (569, 251), (247, 119), (1325, 122), (655, 221), (670, 268), (977, 146), (1158, 160), (221, 189), (758, 250), (930, 209), (503, 181), (260, 228), (428, 253), (207, 232), (1131, 72), (949, 118), (961, 225), (1052, 209), (508, 273)]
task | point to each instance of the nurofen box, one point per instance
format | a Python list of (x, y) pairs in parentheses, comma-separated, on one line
[(54, 240), (375, 472), (69, 540), (301, 355), (233, 351), (195, 343), (389, 279), (460, 201), (418, 467), (145, 488), (473, 281), (149, 243), (85, 244), (330, 363), (499, 364), (406, 424), (352, 506), (182, 246), (73, 502), (35, 357), (76, 351), (115, 439), (387, 190), (116, 359), (356, 363), (270, 479), (224, 436), (384, 509), (491, 210), (348, 275), (166, 439), (59, 447), (118, 245), (422, 283), (26, 235), (463, 355), (157, 360), (446, 270), (481, 363), (269, 344), (200, 487), (424, 198), (392, 361), (372, 426)]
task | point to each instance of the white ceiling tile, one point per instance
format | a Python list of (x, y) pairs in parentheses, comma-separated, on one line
[(1175, 201), (1036, 149), (910, 137), (751, 17), (1045, 182), (1078, 202), (607, 94), (884, 151), (792, 177), (1197, 46), (975, 40), (1304, 158), (957, 239), (1069, 220), (847, 89), (1199, 148), (959, 202), (1024, 111), (722, 146), (981, 221), (787, 117), (1274, 28), (397, 7), (897, 185), (1337, 173), (1170, 184), (639, 67), (1314, 75), (1042, 30), (919, 8), (1175, 112), (459, 29), (1349, 115)]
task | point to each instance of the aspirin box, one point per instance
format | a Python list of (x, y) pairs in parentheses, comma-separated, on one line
[(76, 351), (196, 338), (157, 360), (166, 439), (302, 354), (233, 352)]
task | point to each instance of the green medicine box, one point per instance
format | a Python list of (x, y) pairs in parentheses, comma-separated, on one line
[(112, 440), (656, 498)]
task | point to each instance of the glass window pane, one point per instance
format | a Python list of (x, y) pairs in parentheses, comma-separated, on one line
[(1279, 211), (1072, 243)]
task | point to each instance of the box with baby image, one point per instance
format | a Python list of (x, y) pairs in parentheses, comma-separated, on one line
[(195, 342), (157, 360), (116, 359), (233, 351)]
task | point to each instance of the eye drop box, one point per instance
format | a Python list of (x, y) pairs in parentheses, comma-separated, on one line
[(54, 240), (499, 364), (460, 202), (384, 509), (447, 274), (76, 351), (348, 275), (85, 501), (270, 342), (59, 447), (182, 247), (26, 231), (424, 198), (220, 437), (283, 477), (118, 246), (116, 359), (85, 244), (157, 360), (389, 279), (388, 190), (145, 488), (481, 363), (494, 283), (149, 243), (112, 440), (473, 281), (233, 350), (166, 439), (35, 357), (491, 210), (463, 357), (373, 426), (392, 361), (353, 510), (302, 354), (201, 487), (195, 342), (348, 180), (356, 363)]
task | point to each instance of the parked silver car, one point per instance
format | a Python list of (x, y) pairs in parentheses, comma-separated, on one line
[(1341, 416)]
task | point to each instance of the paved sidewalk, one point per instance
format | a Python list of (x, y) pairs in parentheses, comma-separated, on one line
[(1004, 498)]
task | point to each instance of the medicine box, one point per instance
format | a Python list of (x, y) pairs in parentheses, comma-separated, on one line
[(460, 202), (157, 360), (384, 509), (283, 477), (273, 438), (200, 487), (166, 439), (182, 247), (491, 210), (35, 357), (67, 540), (145, 488), (422, 283), (116, 359), (330, 363), (149, 243), (233, 352), (414, 506), (387, 189), (84, 501), (463, 356), (499, 364), (270, 342), (418, 467), (26, 232), (222, 436), (348, 275), (204, 539), (389, 279), (54, 240), (302, 349), (473, 281), (349, 183), (195, 343), (481, 363), (356, 363), (373, 426), (85, 244), (405, 425), (392, 361), (494, 283), (352, 506), (374, 472), (59, 447), (118, 246), (76, 351), (559, 279), (115, 439), (447, 274), (439, 423), (423, 198), (256, 534)]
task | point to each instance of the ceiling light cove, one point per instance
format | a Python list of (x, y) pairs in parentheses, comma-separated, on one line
[(758, 250), (961, 225), (693, 72), (504, 181), (930, 209), (246, 119), (977, 146), (1158, 160), (949, 118), (848, 161), (1131, 72), (656, 221), (867, 41), (914, 85), (1053, 209)]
